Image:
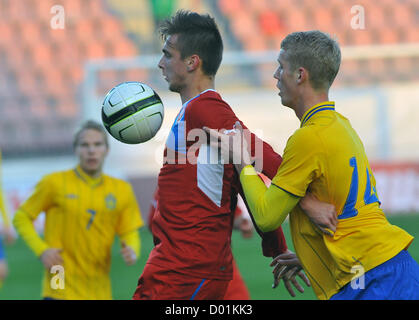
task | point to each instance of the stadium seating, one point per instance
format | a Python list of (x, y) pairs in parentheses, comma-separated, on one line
[(137, 20), (386, 22), (41, 68)]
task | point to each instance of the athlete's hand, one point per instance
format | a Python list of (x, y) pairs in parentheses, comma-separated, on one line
[(51, 257), (288, 267), (3, 271), (323, 215), (233, 145), (128, 254), (246, 228)]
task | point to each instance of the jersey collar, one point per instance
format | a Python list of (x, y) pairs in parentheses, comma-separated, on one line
[(326, 105), (199, 94), (92, 182)]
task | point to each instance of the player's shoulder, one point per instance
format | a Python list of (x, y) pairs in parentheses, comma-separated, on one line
[(304, 141), (208, 98), (55, 180), (306, 138), (323, 120), (209, 108), (57, 175), (304, 134)]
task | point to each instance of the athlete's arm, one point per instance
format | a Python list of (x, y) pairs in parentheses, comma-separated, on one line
[(273, 242), (24, 226), (23, 222), (269, 206), (131, 245), (129, 222), (322, 214), (219, 115), (7, 230), (40, 201)]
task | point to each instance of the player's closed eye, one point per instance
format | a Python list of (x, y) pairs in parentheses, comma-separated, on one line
[(166, 54)]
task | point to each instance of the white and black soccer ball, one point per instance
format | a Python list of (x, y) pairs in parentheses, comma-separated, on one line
[(132, 112)]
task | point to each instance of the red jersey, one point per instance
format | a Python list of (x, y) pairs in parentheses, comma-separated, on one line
[(196, 196)]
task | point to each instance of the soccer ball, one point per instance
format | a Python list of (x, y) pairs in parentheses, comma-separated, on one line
[(132, 112)]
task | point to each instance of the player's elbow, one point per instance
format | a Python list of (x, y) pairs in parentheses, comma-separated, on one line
[(16, 219), (19, 219), (270, 220)]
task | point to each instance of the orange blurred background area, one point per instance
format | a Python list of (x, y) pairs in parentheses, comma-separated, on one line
[(42, 67)]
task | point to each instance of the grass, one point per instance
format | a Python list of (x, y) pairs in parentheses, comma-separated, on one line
[(25, 270)]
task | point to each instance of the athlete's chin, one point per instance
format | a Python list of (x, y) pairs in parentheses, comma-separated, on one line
[(174, 88), (284, 101)]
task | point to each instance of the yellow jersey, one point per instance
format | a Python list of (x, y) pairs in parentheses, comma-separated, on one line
[(3, 207), (82, 217), (326, 157)]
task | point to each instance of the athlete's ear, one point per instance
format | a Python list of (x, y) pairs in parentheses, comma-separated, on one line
[(193, 62), (301, 75)]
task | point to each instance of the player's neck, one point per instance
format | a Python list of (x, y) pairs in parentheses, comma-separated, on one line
[(92, 174), (196, 87), (309, 100)]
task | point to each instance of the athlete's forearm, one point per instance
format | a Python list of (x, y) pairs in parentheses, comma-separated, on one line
[(24, 226), (269, 206), (273, 242), (269, 159), (133, 240)]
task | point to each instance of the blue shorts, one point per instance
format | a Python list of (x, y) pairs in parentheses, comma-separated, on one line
[(2, 253), (395, 279)]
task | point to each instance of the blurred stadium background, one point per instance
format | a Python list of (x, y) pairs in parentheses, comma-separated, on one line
[(52, 78)]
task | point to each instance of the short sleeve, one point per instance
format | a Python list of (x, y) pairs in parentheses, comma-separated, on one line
[(301, 163), (130, 215)]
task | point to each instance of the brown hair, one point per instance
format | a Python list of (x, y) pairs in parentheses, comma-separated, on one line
[(197, 34)]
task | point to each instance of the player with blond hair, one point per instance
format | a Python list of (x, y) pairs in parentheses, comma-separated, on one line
[(326, 157), (84, 209)]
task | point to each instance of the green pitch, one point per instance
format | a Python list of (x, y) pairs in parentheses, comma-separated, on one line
[(25, 270)]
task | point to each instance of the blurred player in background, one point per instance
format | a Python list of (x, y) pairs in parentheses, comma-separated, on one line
[(367, 257), (6, 232), (237, 289), (84, 211), (192, 226)]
